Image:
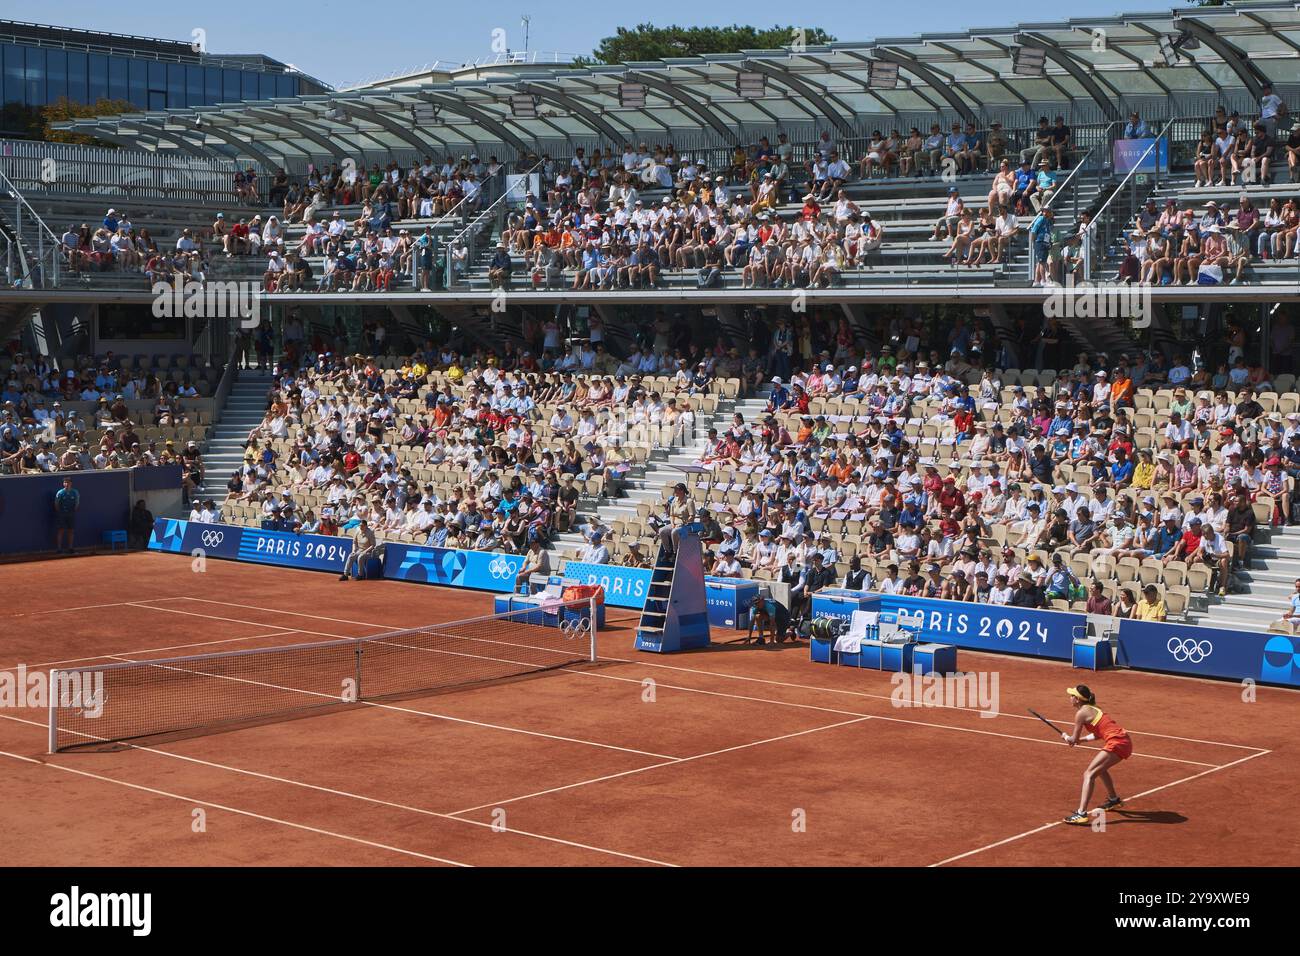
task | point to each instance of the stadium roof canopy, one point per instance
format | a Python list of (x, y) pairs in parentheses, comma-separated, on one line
[(1182, 61)]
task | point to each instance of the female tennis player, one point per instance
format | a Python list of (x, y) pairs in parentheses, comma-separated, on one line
[(1116, 746)]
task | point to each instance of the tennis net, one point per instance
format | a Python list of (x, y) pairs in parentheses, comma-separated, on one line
[(211, 692)]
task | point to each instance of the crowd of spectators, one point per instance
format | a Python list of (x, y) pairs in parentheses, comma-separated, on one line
[(588, 218), (1174, 245), (931, 478), (519, 439), (102, 413), (900, 470)]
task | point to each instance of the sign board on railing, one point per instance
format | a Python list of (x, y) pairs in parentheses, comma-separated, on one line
[(519, 186), (1128, 155)]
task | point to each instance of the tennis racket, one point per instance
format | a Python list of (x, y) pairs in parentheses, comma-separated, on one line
[(1046, 721), (1058, 729)]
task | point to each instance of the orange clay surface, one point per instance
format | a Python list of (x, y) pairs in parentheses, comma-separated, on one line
[(735, 755)]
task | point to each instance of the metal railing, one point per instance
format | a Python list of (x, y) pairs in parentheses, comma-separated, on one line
[(1091, 160), (66, 168), (1104, 228), (491, 218), (45, 246), (453, 214)]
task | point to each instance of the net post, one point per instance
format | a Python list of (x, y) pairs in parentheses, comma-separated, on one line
[(357, 675), (591, 618), (52, 691)]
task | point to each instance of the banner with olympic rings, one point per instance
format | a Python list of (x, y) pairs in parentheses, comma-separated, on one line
[(313, 552), (452, 567), (1211, 652)]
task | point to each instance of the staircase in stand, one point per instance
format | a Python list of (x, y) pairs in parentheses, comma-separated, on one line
[(244, 410)]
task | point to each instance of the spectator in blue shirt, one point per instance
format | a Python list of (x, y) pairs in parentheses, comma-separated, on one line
[(1026, 183), (1059, 580), (1135, 128), (66, 502), (1291, 455), (1166, 537), (780, 397), (955, 147), (911, 516), (1061, 421), (1041, 236), (1121, 470)]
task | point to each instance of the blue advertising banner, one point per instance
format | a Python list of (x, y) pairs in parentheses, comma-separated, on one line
[(451, 567), (316, 552), (1210, 652), (624, 587), (1127, 153), (313, 552), (985, 627)]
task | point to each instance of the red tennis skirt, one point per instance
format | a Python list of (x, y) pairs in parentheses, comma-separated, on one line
[(1122, 746)]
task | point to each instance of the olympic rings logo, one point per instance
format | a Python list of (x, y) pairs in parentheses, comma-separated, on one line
[(1191, 651), (572, 627), (211, 539), (500, 568)]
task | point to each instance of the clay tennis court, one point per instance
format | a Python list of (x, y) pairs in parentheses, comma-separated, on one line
[(736, 755)]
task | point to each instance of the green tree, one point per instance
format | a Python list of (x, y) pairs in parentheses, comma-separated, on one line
[(648, 42), (65, 109)]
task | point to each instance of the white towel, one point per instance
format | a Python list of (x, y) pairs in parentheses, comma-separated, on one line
[(848, 643)]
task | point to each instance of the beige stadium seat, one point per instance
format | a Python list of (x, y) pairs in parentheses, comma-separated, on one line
[(1176, 600), (1199, 578)]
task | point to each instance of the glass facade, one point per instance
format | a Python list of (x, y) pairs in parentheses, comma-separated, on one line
[(38, 76)]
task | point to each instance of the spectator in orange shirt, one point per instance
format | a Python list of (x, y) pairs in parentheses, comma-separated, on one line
[(1121, 389)]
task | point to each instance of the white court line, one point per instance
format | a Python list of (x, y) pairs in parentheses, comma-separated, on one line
[(151, 650), (366, 799), (318, 617), (235, 620), (667, 763), (84, 607), (856, 693), (243, 813), (760, 680), (405, 710), (387, 631), (1136, 796), (896, 720), (713, 693)]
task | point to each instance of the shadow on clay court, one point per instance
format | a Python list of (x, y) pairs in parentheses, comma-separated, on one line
[(1116, 817)]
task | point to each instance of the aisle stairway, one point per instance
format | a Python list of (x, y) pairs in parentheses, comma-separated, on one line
[(1275, 566), (244, 409), (662, 470)]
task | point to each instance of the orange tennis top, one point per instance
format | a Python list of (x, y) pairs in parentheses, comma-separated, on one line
[(1105, 728)]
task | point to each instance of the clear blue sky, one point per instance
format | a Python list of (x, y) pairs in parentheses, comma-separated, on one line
[(342, 42)]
